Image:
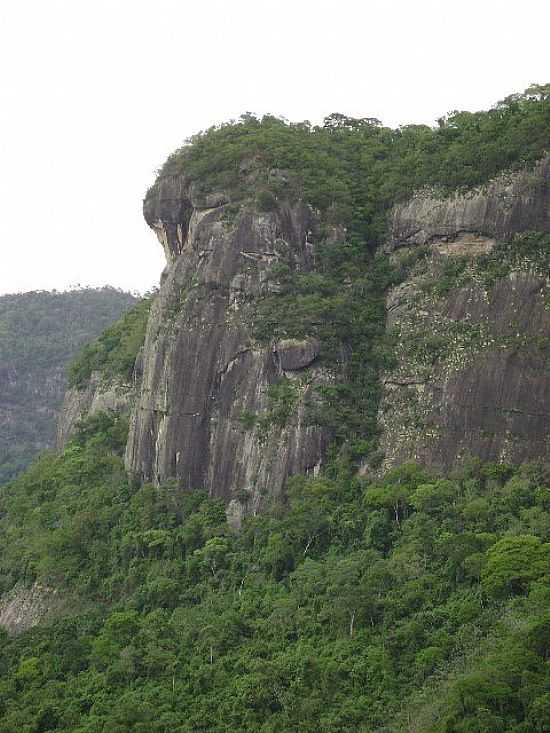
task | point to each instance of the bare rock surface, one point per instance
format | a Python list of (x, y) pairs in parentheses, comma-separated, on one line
[(24, 607), (203, 372), (296, 354)]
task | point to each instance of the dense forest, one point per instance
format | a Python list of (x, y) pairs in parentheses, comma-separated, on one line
[(415, 602), (410, 601), (40, 332)]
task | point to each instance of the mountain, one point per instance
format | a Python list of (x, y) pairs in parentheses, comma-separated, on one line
[(40, 332), (305, 485)]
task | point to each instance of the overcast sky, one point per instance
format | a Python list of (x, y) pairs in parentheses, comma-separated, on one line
[(96, 94)]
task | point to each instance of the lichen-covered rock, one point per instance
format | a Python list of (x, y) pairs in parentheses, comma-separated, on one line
[(473, 362), (510, 204), (205, 378), (296, 354), (473, 376)]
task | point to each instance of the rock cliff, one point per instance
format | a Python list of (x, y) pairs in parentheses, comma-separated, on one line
[(472, 326), (202, 414), (472, 355), (512, 203), (99, 395)]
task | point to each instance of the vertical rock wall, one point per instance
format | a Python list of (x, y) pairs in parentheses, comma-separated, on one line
[(204, 375), (473, 362)]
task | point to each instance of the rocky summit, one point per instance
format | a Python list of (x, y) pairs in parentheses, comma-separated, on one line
[(469, 375)]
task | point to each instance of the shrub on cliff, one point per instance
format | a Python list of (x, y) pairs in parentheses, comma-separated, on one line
[(114, 352)]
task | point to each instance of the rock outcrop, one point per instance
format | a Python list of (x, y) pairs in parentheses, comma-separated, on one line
[(202, 413), (510, 204), (296, 354), (98, 395), (26, 606), (472, 375)]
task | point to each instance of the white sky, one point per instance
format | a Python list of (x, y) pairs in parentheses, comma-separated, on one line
[(96, 93)]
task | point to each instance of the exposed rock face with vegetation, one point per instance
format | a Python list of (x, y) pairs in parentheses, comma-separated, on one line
[(337, 299), (24, 607), (207, 381), (472, 326), (116, 394), (105, 375), (509, 204), (271, 269), (39, 334)]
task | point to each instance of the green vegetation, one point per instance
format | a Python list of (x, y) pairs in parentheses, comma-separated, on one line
[(360, 606), (282, 399), (114, 352), (411, 602), (341, 304), (355, 169), (39, 334)]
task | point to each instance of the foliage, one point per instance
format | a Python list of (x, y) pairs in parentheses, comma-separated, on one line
[(341, 304), (359, 603), (355, 169), (282, 399), (39, 334), (114, 352)]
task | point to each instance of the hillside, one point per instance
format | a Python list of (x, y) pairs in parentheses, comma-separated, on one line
[(40, 332), (321, 501)]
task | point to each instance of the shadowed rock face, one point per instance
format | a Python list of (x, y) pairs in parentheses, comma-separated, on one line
[(203, 373), (485, 388), (295, 354)]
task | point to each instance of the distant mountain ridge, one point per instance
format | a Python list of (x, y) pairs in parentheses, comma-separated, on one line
[(40, 332)]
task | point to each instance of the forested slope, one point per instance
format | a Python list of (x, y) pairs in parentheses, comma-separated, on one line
[(39, 333), (415, 602)]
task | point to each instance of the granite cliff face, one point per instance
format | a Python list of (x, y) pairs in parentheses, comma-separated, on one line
[(205, 378), (24, 607), (512, 203), (473, 352), (472, 358), (473, 348)]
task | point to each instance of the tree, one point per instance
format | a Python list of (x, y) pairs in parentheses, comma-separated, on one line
[(513, 563)]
